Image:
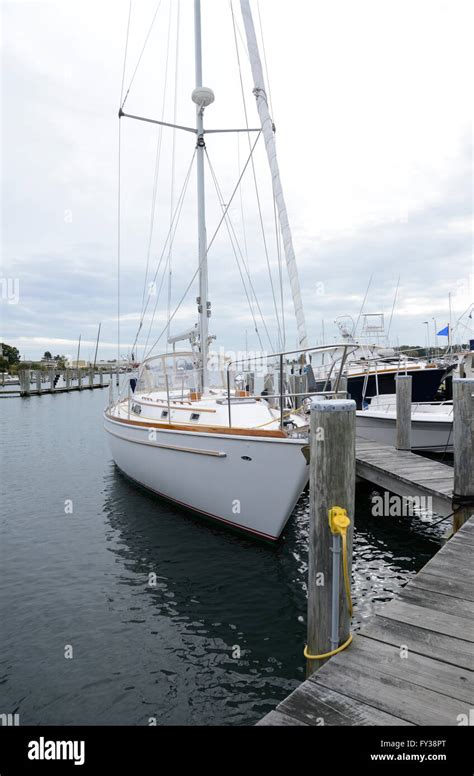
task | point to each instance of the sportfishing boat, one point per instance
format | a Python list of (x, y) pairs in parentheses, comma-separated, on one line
[(431, 423), (373, 365), (224, 438)]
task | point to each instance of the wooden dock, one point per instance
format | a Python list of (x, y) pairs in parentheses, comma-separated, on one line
[(413, 664), (34, 392), (39, 382), (406, 474)]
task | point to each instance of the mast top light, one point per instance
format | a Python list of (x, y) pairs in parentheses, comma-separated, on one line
[(202, 96)]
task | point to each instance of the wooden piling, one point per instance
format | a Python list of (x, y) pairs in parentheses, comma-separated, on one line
[(463, 448), (332, 483), (79, 379), (68, 379), (428, 623), (91, 377), (25, 378), (38, 380), (404, 393), (52, 375)]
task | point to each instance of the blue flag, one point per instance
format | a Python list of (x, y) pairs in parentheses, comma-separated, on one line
[(444, 332)]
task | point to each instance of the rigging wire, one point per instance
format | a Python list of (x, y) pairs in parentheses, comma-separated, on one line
[(173, 161), (280, 270), (127, 35), (231, 231), (362, 306), (159, 142), (171, 242), (119, 187), (170, 237), (119, 240), (245, 261), (122, 103), (188, 287), (242, 216), (393, 307), (176, 215), (262, 227)]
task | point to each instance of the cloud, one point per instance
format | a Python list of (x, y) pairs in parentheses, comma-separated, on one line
[(373, 139)]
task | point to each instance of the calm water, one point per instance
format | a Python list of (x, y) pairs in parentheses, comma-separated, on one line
[(166, 652)]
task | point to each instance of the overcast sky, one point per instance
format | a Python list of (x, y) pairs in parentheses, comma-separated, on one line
[(372, 103)]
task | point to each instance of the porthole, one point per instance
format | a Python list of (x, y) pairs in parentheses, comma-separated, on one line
[(195, 415), (246, 457), (164, 414)]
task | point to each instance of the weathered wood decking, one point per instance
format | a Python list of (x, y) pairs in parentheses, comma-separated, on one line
[(413, 664), (406, 474)]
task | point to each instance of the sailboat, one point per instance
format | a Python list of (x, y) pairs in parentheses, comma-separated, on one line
[(227, 440)]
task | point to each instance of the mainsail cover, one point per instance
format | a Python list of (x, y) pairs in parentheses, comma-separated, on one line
[(269, 136)]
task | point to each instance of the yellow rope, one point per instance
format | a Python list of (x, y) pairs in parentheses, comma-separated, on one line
[(338, 523), (327, 654)]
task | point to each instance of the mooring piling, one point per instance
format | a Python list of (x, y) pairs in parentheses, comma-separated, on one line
[(25, 380), (463, 447), (332, 485), (37, 382), (404, 393)]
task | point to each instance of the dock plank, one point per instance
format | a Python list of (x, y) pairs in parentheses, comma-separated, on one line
[(279, 719), (441, 581), (324, 706), (405, 473), (439, 602), (460, 570), (395, 696), (446, 649), (418, 669), (436, 621)]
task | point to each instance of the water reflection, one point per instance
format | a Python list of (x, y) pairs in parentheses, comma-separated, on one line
[(229, 611), (169, 651)]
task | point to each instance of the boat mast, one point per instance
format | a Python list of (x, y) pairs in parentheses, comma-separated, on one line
[(268, 131), (204, 306)]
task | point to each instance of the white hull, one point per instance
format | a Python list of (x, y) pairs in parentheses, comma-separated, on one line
[(435, 435), (210, 473)]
